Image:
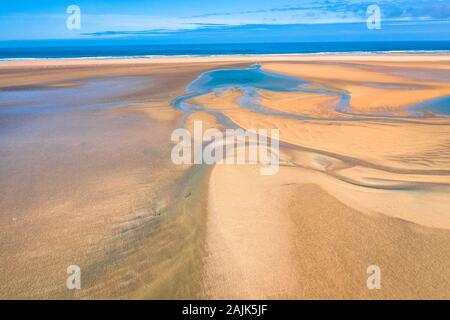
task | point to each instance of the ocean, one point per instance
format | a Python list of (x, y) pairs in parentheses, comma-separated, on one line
[(124, 48)]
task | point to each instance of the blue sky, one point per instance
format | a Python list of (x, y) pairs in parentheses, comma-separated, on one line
[(203, 21)]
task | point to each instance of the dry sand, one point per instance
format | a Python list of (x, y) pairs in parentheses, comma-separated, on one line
[(349, 194), (371, 91), (290, 238)]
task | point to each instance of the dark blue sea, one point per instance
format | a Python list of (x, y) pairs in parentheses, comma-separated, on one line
[(122, 48)]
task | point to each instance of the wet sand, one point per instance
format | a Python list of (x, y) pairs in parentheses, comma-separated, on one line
[(97, 188)]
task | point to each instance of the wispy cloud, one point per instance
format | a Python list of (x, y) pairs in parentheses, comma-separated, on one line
[(399, 30), (391, 9)]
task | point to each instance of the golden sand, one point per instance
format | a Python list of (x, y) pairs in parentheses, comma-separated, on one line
[(301, 242), (366, 97), (308, 104), (349, 194)]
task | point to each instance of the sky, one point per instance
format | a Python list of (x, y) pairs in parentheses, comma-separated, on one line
[(209, 21)]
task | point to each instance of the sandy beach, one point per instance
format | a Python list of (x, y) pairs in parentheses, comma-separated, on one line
[(86, 178)]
